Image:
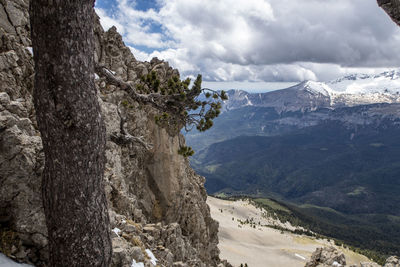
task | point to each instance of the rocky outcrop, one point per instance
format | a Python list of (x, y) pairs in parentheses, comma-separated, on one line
[(392, 7), (392, 262), (156, 201), (330, 256)]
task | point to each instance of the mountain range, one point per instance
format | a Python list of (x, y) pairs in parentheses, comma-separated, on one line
[(331, 150), (351, 90), (353, 100)]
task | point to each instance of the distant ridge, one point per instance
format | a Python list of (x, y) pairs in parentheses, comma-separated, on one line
[(348, 91)]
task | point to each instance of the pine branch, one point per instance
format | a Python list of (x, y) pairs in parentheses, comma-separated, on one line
[(176, 101), (156, 100)]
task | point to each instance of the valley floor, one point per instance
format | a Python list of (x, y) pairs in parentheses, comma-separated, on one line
[(262, 246)]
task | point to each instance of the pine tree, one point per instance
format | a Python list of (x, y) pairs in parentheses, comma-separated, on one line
[(72, 131)]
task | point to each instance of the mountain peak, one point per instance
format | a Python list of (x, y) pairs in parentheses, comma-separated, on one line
[(387, 82), (315, 88), (393, 74)]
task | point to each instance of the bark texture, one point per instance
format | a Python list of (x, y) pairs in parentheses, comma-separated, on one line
[(72, 131)]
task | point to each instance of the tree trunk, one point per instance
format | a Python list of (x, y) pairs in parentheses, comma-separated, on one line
[(73, 133)]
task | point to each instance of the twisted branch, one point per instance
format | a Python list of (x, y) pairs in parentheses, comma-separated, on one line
[(124, 138), (177, 103)]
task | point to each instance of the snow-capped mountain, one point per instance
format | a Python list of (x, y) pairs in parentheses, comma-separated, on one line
[(304, 96), (352, 90)]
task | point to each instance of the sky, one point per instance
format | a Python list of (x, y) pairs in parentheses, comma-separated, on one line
[(255, 43)]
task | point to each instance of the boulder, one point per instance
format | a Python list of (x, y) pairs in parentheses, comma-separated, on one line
[(327, 256)]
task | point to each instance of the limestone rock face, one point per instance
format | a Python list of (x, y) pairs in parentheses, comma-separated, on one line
[(15, 19), (392, 262), (392, 7), (157, 202), (328, 256)]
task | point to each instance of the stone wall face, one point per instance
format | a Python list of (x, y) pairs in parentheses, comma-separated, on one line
[(156, 200)]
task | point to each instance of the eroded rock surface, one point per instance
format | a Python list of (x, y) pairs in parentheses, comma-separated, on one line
[(156, 201)]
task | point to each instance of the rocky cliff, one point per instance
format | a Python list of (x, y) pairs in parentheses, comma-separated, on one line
[(157, 202), (392, 7)]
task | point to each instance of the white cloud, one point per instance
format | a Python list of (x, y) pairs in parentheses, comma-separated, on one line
[(262, 40), (178, 58), (107, 22), (139, 55)]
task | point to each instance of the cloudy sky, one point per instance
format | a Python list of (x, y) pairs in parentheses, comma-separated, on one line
[(256, 42)]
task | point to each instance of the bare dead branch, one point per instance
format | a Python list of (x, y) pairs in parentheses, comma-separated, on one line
[(128, 139), (123, 137)]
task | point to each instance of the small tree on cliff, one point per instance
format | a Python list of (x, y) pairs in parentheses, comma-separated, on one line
[(73, 131), (180, 105)]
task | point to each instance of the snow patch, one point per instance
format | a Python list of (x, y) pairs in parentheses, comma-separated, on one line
[(117, 231), (248, 101), (317, 88), (30, 49), (386, 82), (7, 262), (137, 264), (299, 256), (96, 77), (337, 264), (110, 71), (153, 259)]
